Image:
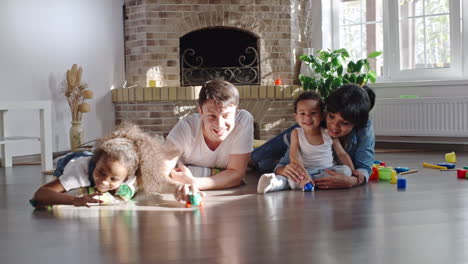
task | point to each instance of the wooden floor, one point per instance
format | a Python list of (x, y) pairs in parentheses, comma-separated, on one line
[(375, 223)]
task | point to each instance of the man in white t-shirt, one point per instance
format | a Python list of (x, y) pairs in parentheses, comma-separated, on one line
[(219, 136)]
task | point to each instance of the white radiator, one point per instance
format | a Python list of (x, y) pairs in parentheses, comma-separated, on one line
[(432, 116)]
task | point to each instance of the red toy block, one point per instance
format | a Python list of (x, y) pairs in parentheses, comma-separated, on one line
[(375, 174), (461, 174)]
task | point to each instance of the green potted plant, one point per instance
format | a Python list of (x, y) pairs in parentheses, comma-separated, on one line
[(331, 69)]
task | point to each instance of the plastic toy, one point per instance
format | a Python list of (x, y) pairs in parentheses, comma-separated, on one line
[(408, 172), (401, 183), (194, 200), (309, 187), (401, 169), (465, 168), (447, 165), (451, 157), (377, 162), (394, 178), (428, 165), (385, 174), (375, 174), (461, 174)]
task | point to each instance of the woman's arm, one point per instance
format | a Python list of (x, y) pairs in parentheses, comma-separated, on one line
[(53, 193), (342, 155)]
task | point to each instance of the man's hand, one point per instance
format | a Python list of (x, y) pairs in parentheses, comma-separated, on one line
[(182, 193), (182, 174)]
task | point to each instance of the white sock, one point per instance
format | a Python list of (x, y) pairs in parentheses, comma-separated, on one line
[(294, 185), (269, 182)]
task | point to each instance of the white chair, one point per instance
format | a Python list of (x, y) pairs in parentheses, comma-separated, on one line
[(45, 138)]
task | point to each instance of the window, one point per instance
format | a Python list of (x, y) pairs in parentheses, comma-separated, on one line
[(421, 39)]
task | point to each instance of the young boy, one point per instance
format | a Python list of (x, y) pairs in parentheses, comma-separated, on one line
[(311, 148), (218, 136)]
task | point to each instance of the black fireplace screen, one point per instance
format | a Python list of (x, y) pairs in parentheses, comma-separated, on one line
[(219, 53)]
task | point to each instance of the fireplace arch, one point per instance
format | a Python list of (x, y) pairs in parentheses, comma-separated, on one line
[(224, 53)]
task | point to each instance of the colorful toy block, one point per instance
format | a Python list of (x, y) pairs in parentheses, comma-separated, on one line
[(461, 174), (401, 183), (447, 165), (451, 157), (194, 200), (428, 165), (309, 187)]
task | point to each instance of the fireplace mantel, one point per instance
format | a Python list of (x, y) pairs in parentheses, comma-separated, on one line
[(157, 109)]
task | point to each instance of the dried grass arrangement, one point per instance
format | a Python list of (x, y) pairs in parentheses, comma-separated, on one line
[(77, 93)]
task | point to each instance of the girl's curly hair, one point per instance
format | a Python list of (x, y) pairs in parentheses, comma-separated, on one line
[(138, 150)]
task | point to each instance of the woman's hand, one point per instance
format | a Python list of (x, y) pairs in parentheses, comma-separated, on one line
[(182, 193), (359, 176), (294, 171), (182, 174), (86, 200), (336, 181)]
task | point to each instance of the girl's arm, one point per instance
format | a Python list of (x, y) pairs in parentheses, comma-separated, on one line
[(342, 155), (53, 193)]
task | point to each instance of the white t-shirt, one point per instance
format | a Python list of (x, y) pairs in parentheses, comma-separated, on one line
[(316, 156), (187, 135), (76, 174)]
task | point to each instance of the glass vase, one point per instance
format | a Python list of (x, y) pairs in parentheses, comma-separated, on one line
[(76, 135)]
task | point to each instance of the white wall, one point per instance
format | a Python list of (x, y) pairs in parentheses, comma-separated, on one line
[(40, 40)]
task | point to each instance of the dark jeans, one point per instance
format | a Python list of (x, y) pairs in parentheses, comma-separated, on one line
[(267, 156)]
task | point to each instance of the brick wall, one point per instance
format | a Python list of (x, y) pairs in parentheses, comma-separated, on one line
[(153, 29), (157, 110)]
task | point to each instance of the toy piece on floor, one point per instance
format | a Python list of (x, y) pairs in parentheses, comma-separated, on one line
[(428, 165), (194, 200), (375, 174), (377, 162), (408, 172), (451, 157), (393, 178), (385, 174), (461, 174), (447, 165), (401, 183), (401, 169), (465, 168), (309, 187), (106, 198)]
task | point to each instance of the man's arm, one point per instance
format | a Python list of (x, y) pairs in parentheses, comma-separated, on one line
[(230, 177)]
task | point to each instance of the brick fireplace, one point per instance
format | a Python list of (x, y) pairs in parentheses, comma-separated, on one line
[(154, 31)]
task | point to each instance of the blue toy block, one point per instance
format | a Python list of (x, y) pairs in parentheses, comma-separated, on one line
[(309, 187), (401, 183), (401, 169), (447, 165), (377, 162)]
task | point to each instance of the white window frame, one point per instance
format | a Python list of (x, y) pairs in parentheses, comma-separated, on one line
[(391, 71)]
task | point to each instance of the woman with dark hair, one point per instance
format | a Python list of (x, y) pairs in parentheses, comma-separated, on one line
[(347, 118)]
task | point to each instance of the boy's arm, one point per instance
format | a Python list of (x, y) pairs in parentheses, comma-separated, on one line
[(296, 158), (294, 151), (230, 177), (342, 155), (53, 193)]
